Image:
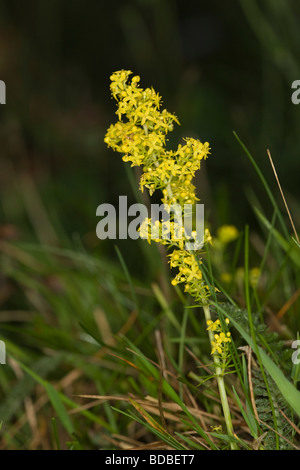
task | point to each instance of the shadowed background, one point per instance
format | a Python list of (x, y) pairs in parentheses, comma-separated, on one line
[(217, 69)]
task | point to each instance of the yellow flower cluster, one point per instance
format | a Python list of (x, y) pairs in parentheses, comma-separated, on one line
[(220, 343), (140, 135), (189, 272), (142, 139)]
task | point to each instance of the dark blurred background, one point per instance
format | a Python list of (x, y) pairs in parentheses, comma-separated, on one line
[(219, 66)]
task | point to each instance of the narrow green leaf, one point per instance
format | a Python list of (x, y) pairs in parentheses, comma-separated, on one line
[(265, 184), (289, 248), (128, 277), (248, 417), (287, 389), (54, 397)]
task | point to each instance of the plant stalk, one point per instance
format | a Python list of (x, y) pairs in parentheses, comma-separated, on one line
[(221, 384)]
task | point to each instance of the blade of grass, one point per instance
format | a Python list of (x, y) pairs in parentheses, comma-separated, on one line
[(265, 184), (55, 434), (168, 390), (289, 248), (54, 397), (282, 195), (248, 417), (165, 306), (129, 280), (58, 399), (192, 444), (161, 435)]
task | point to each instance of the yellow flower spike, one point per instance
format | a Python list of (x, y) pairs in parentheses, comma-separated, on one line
[(140, 134), (219, 344)]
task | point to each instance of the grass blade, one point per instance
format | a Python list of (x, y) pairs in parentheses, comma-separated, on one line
[(55, 399)]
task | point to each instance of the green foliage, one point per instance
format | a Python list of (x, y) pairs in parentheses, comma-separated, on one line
[(268, 398), (268, 340), (282, 436)]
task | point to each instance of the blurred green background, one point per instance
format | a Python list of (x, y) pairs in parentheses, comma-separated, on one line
[(219, 68)]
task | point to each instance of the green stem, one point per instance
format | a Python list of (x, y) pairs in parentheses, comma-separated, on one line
[(221, 384)]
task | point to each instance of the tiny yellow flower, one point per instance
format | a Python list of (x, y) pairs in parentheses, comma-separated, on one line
[(219, 344), (216, 347), (216, 428), (208, 237)]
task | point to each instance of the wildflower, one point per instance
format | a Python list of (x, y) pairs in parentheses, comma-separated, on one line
[(217, 429), (140, 134), (213, 326), (221, 338)]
